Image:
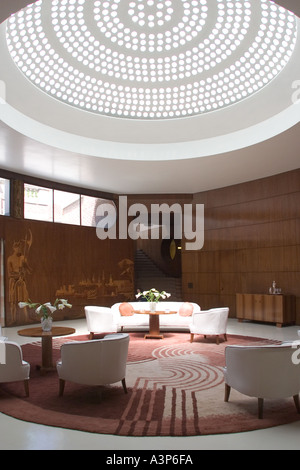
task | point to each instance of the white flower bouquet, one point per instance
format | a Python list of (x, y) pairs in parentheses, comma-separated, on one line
[(153, 295), (47, 309)]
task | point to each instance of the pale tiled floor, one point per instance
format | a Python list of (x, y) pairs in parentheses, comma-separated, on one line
[(19, 435)]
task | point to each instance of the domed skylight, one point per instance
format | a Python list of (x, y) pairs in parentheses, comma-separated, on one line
[(151, 59)]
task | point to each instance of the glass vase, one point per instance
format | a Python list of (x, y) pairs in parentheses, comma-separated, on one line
[(46, 323), (152, 306)]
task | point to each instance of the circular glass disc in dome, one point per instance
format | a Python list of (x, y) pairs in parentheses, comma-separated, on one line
[(151, 59)]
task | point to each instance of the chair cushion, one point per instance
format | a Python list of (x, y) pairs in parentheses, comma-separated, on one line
[(126, 310), (186, 309)]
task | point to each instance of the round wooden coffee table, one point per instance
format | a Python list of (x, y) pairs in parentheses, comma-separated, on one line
[(154, 329), (47, 361)]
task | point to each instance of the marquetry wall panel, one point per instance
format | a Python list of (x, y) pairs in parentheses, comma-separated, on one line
[(252, 237), (48, 260)]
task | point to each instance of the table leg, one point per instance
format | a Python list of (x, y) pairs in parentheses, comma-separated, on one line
[(154, 332), (47, 362)]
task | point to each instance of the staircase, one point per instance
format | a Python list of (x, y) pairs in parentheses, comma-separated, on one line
[(149, 275)]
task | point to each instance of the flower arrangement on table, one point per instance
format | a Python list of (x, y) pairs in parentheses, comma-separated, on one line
[(46, 310), (153, 296)]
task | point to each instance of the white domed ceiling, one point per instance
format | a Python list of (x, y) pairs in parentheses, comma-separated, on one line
[(151, 59), (141, 91)]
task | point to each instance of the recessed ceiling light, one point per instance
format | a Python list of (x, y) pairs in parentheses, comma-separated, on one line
[(239, 47)]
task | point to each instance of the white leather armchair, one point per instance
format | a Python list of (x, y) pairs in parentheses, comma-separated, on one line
[(12, 366), (97, 362), (262, 372), (99, 320), (210, 322)]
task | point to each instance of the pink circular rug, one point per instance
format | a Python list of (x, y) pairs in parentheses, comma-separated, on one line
[(175, 388)]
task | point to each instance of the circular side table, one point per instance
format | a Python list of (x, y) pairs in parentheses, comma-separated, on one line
[(47, 361)]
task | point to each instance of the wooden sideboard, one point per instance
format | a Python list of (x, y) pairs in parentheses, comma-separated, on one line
[(279, 309)]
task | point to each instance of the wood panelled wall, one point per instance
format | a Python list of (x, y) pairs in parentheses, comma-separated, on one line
[(252, 237), (47, 260)]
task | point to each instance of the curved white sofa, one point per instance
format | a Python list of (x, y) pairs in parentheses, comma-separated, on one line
[(174, 321), (109, 320)]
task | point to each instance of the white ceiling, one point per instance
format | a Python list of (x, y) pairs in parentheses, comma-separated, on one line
[(176, 156)]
